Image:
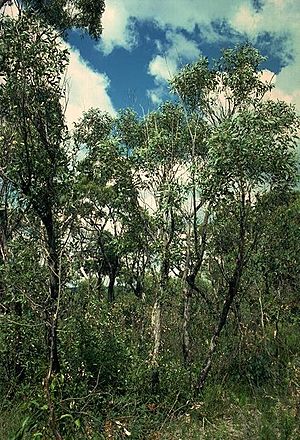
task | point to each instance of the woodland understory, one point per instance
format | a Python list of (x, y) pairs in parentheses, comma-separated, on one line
[(149, 264)]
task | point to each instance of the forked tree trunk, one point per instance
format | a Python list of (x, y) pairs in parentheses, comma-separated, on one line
[(189, 280), (233, 288)]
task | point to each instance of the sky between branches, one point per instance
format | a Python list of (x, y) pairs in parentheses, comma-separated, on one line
[(144, 42)]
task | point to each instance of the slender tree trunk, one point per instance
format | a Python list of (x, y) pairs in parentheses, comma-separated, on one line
[(18, 343), (231, 294), (233, 287), (189, 287), (51, 312), (156, 317), (156, 328), (186, 343), (52, 320), (99, 283), (2, 249), (111, 286)]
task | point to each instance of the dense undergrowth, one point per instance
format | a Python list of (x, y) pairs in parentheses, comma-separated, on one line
[(104, 392), (149, 282)]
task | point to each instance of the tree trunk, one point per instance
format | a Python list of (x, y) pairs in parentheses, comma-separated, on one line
[(3, 233), (232, 292), (51, 309), (190, 286), (111, 286), (186, 343), (19, 366), (156, 327), (52, 319)]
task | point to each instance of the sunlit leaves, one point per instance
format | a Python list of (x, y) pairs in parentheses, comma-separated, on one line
[(31, 115), (66, 14)]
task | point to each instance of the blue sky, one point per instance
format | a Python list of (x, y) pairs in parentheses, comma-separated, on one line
[(145, 42)]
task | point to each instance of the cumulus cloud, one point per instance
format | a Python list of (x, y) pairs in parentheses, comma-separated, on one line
[(86, 88), (162, 68), (117, 29), (277, 17), (177, 51), (167, 13), (246, 19), (279, 92)]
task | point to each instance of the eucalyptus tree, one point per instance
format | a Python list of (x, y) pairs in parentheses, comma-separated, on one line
[(137, 247), (247, 146), (63, 14), (159, 165), (34, 138), (276, 260), (107, 197), (32, 66)]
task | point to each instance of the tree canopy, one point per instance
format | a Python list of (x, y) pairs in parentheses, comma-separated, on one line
[(148, 263)]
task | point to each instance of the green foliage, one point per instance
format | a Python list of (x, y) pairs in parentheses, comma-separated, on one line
[(32, 65), (197, 194), (65, 14)]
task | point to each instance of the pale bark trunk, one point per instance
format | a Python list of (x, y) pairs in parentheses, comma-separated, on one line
[(156, 320), (156, 324)]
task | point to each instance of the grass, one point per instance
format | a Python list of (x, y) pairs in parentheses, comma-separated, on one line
[(238, 413)]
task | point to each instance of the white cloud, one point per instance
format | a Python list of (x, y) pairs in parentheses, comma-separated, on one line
[(177, 51), (277, 17), (246, 19), (279, 92), (166, 13), (162, 67), (156, 96), (116, 28), (87, 88)]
